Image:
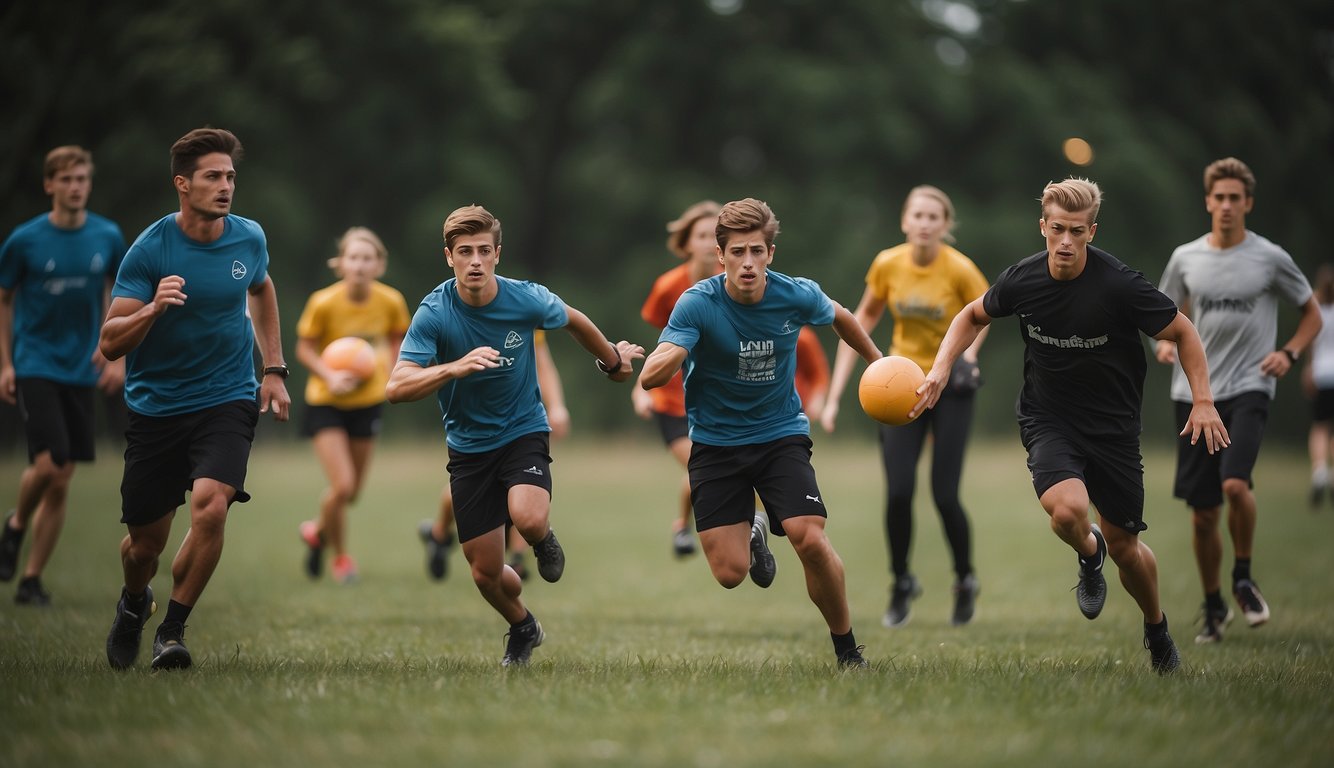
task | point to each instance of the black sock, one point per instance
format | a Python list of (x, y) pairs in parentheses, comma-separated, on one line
[(1154, 630), (1214, 602), (1241, 569), (177, 613), (844, 643), (135, 603), (526, 624)]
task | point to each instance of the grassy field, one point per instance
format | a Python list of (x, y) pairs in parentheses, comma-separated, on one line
[(649, 662)]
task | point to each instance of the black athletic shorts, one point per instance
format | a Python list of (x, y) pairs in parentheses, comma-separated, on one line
[(481, 481), (357, 422), (164, 455), (1200, 475), (1111, 469), (725, 478), (57, 418), (1323, 407), (672, 428)]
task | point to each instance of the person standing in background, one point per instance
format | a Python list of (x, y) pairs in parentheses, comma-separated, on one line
[(1318, 382)]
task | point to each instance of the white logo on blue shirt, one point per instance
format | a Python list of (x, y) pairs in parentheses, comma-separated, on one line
[(238, 270), (513, 340)]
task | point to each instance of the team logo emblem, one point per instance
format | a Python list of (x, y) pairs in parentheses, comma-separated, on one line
[(238, 270), (513, 340)]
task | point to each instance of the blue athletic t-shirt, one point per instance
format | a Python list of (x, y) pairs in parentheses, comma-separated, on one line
[(487, 409), (199, 354), (58, 276), (739, 375)]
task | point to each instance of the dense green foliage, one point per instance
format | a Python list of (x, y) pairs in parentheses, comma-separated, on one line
[(586, 125), (648, 662)]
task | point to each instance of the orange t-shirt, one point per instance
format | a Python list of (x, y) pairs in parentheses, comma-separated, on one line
[(812, 367), (670, 398)]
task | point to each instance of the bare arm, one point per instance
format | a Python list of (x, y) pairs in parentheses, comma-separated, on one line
[(129, 320), (868, 314), (1204, 417), (111, 373), (553, 394), (264, 315), (619, 356), (964, 332), (665, 361), (409, 381), (854, 335), (1277, 363)]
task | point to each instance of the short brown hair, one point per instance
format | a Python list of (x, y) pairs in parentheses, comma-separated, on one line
[(678, 231), (187, 150), (746, 215), (64, 157), (470, 220), (1229, 168), (1073, 196)]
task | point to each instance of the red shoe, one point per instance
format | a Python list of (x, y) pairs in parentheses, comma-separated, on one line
[(344, 569)]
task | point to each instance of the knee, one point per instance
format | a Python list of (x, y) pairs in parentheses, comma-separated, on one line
[(1204, 521), (730, 575), (1067, 518), (1235, 488), (1124, 550), (344, 490), (208, 514)]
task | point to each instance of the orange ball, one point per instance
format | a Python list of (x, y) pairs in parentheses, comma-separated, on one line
[(352, 354), (888, 389)]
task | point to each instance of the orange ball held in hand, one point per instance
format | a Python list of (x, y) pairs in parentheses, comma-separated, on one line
[(888, 389), (352, 354)]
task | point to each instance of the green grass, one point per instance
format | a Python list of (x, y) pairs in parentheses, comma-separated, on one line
[(648, 661)]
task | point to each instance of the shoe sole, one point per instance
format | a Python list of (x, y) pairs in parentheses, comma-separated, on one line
[(763, 567), (541, 635), (173, 657)]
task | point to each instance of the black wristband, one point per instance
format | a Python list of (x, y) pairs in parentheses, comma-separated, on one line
[(1292, 356), (614, 369)]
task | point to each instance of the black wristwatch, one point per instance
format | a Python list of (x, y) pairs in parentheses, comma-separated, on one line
[(603, 367), (1292, 356), (277, 370)]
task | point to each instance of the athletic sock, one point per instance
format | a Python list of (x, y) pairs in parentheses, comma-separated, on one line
[(528, 621), (1154, 630), (844, 643), (177, 612), (1241, 570), (136, 603), (1214, 602)]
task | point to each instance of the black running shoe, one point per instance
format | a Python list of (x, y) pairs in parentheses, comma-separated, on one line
[(30, 592), (519, 645), (310, 536), (965, 600), (169, 651), (905, 590), (436, 551), (550, 557), (1163, 655), (10, 542), (853, 659), (1091, 591), (1213, 622), (683, 544), (763, 567), (127, 629), (1253, 605)]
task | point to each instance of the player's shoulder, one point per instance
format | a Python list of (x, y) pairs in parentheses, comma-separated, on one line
[(386, 292), (245, 228), (155, 232), (99, 223), (1264, 245), (32, 227), (1199, 245)]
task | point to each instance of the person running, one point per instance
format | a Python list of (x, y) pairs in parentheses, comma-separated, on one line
[(438, 535), (343, 410), (1318, 381), (192, 300), (55, 272), (736, 333), (1230, 281), (1081, 313), (471, 343), (924, 283), (690, 237)]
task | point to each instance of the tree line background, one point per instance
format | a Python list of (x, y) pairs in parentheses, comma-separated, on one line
[(587, 125)]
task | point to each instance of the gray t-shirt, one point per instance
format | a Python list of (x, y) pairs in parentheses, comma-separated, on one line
[(1232, 297)]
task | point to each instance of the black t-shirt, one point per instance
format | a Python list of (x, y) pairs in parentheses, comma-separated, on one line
[(1084, 361)]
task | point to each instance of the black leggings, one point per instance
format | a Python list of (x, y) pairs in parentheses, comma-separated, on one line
[(900, 448)]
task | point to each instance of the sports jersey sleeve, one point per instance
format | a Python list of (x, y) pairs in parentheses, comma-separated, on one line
[(312, 322), (657, 310), (972, 283), (137, 277), (996, 302), (1148, 308), (118, 251), (1289, 280), (818, 306), (554, 314), (398, 325), (11, 263), (1171, 283), (262, 254), (421, 342), (685, 321), (877, 276)]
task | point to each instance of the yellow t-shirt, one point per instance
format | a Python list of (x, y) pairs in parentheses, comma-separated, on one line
[(330, 314), (923, 300)]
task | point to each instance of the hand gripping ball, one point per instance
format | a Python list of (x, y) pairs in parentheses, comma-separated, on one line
[(888, 389), (352, 354)]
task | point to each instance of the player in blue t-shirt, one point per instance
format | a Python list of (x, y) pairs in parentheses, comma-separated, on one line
[(736, 335), (55, 270), (471, 342), (1081, 314), (179, 310)]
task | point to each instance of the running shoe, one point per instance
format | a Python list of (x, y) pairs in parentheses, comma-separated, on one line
[(519, 644), (905, 590), (169, 651), (1091, 591), (127, 629), (763, 567), (550, 557), (1253, 605)]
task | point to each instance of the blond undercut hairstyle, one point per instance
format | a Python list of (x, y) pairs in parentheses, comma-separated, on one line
[(937, 194), (470, 220), (1074, 195), (352, 235), (1229, 168), (678, 231), (64, 157), (748, 215)]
